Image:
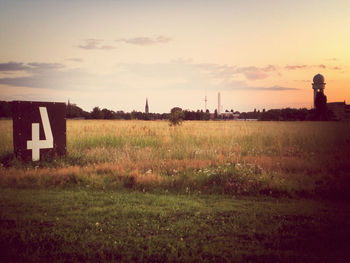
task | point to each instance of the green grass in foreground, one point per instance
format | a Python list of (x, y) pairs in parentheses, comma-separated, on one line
[(89, 226)]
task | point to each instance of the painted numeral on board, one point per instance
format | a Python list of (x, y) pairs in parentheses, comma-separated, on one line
[(36, 144)]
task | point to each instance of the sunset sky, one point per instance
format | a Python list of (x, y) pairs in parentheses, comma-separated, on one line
[(114, 54)]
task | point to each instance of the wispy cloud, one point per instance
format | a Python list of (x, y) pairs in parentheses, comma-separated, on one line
[(243, 86), (56, 76), (294, 67), (13, 66), (146, 41), (254, 73), (304, 66), (176, 75), (228, 72), (38, 74), (33, 66), (45, 66), (75, 59), (93, 44), (272, 88), (59, 79)]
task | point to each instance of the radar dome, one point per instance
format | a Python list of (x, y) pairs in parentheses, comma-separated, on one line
[(318, 79)]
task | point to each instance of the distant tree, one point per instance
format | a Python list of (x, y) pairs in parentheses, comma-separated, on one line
[(120, 115), (128, 116), (136, 115), (207, 115), (286, 114), (215, 114), (108, 114), (96, 113), (5, 109), (176, 116), (73, 111), (190, 115)]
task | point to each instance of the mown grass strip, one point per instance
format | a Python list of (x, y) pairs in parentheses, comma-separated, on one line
[(79, 225)]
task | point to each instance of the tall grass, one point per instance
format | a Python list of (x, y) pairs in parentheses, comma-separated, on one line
[(289, 158)]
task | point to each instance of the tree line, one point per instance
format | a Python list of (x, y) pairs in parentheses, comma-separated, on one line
[(287, 114)]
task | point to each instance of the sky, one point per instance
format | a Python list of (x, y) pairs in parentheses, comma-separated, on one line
[(114, 54)]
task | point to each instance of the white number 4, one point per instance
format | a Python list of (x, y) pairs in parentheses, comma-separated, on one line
[(36, 144)]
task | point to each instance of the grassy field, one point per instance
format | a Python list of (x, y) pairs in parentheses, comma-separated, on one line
[(276, 158), (205, 191)]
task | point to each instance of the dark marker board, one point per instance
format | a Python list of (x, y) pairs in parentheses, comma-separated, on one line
[(39, 130)]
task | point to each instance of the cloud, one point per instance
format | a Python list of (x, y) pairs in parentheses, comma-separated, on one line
[(30, 67), (254, 73), (31, 81), (45, 66), (75, 59), (90, 44), (236, 85), (163, 39), (13, 66), (146, 41), (294, 67), (69, 80), (94, 44), (220, 72), (175, 76), (38, 75), (303, 80), (55, 76), (228, 72), (273, 88)]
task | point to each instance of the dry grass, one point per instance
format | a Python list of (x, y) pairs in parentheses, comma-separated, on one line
[(287, 157)]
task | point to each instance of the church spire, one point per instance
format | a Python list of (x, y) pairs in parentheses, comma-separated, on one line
[(146, 108)]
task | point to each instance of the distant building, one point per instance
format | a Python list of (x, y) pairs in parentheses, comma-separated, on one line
[(341, 110), (230, 115), (146, 107)]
